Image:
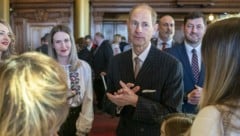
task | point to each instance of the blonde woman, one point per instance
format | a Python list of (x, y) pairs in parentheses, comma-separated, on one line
[(33, 100), (7, 40), (79, 79), (220, 102)]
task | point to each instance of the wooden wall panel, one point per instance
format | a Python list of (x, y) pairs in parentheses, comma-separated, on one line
[(31, 20), (176, 8)]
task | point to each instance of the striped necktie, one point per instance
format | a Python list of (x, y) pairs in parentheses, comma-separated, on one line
[(195, 67), (137, 66)]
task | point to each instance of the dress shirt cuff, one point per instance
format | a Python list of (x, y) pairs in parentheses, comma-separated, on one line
[(118, 109)]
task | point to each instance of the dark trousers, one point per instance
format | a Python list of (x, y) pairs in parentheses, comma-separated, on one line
[(99, 91), (68, 128)]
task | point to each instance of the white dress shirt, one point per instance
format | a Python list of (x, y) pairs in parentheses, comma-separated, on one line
[(168, 44), (142, 56), (189, 53)]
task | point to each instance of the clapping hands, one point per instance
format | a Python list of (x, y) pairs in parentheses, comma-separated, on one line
[(126, 95)]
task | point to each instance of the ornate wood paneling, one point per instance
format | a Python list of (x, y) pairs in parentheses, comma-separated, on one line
[(32, 19), (177, 8), (172, 6)]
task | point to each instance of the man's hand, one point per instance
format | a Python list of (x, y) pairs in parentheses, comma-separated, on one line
[(103, 74), (194, 96), (125, 95)]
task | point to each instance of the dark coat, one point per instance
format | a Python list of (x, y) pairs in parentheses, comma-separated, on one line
[(162, 75), (101, 58), (179, 51)]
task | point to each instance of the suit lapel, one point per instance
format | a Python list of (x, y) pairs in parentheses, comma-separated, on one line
[(201, 75), (126, 67), (186, 62), (147, 64)]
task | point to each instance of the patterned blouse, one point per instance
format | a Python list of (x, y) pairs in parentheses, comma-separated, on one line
[(80, 82)]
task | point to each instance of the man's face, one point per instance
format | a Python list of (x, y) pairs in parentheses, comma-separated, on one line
[(166, 28), (141, 29), (88, 41), (62, 44), (5, 39), (194, 30)]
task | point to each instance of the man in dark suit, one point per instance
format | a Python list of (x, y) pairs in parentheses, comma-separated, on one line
[(86, 53), (153, 92), (194, 29), (101, 57), (166, 31)]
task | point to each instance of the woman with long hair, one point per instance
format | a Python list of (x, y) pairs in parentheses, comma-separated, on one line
[(220, 101), (79, 79)]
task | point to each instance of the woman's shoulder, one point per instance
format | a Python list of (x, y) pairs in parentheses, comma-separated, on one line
[(211, 111), (84, 65), (207, 122)]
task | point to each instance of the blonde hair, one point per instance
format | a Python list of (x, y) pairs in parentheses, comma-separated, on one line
[(73, 58), (220, 51), (32, 95), (177, 124), (11, 48)]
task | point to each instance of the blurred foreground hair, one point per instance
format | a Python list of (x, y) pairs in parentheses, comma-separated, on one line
[(32, 95)]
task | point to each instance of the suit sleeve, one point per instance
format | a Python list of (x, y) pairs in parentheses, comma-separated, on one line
[(108, 106)]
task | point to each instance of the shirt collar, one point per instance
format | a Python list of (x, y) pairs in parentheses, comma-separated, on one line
[(169, 42), (189, 47), (143, 55), (100, 42)]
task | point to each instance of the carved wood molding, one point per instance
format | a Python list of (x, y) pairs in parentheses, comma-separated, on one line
[(165, 6), (98, 16), (43, 15)]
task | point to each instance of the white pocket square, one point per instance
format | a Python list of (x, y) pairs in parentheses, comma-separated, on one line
[(148, 91)]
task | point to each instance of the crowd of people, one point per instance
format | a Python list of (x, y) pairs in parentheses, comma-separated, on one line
[(155, 86)]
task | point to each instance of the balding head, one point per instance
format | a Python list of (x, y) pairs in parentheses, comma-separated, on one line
[(166, 27)]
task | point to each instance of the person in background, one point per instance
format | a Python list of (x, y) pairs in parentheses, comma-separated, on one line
[(177, 124), (80, 43), (7, 40), (83, 52), (79, 78), (116, 44), (166, 31), (189, 53), (144, 84), (101, 57), (219, 105), (44, 44), (123, 43), (33, 98), (90, 45)]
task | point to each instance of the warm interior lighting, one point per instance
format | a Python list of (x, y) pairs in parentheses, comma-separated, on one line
[(211, 17)]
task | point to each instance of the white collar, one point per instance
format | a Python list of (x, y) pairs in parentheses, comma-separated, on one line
[(143, 55)]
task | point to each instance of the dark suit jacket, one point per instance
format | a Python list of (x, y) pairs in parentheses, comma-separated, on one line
[(179, 51), (101, 58), (86, 55), (43, 49), (160, 73)]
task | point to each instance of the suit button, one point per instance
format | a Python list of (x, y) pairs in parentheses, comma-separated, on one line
[(141, 129)]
